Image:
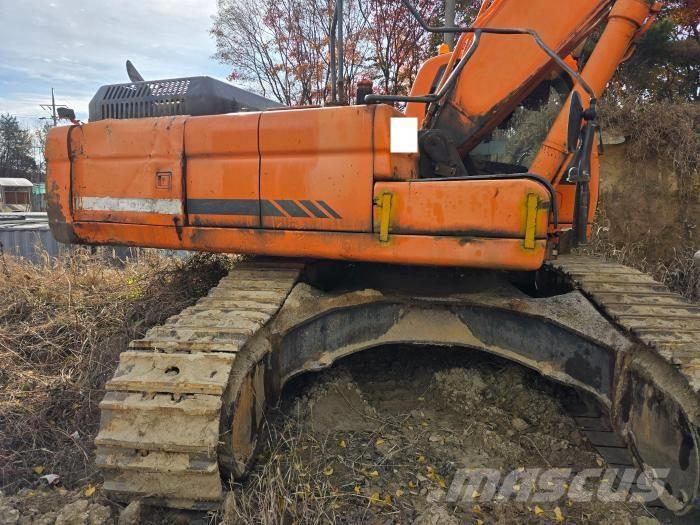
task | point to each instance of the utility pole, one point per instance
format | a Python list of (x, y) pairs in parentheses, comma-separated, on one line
[(52, 109), (341, 53), (450, 21)]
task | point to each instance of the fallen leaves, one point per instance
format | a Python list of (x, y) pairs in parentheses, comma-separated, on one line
[(376, 499), (541, 513), (435, 477)]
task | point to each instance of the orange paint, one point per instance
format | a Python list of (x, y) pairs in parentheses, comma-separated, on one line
[(318, 154), (475, 252), (474, 207), (223, 162), (115, 170), (315, 182)]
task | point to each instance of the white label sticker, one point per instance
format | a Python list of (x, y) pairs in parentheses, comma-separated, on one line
[(404, 135)]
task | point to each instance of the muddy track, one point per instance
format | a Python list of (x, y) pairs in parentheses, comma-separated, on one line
[(160, 435), (668, 328)]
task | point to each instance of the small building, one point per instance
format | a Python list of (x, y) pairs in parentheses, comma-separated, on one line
[(15, 195)]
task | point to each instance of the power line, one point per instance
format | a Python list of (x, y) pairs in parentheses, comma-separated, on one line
[(52, 109)]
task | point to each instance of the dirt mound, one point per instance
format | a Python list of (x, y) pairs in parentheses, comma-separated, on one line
[(54, 507), (649, 209), (379, 438)]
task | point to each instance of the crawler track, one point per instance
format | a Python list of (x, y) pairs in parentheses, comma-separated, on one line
[(659, 432), (645, 308), (183, 409), (160, 432)]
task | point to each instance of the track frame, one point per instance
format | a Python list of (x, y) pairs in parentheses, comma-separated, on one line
[(643, 378)]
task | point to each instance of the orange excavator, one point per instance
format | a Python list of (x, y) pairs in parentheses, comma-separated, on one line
[(449, 223)]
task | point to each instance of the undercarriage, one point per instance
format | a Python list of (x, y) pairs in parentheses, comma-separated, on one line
[(184, 408)]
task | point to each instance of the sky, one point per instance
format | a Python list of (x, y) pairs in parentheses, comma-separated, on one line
[(76, 46)]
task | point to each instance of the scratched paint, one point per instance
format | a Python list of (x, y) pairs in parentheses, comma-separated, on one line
[(159, 206)]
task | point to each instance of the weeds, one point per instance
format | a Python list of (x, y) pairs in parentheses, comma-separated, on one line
[(661, 131), (63, 323), (677, 269), (286, 488)]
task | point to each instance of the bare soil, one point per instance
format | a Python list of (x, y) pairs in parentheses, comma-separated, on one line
[(378, 438), (649, 208)]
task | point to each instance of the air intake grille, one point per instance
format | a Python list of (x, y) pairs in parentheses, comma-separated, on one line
[(178, 96), (145, 99)]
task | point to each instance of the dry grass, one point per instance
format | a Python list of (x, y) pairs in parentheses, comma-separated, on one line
[(291, 481), (677, 269), (664, 130), (288, 486), (63, 324), (302, 475)]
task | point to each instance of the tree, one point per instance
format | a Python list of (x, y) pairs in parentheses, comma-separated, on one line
[(39, 139), (399, 45), (16, 158), (666, 63), (283, 46)]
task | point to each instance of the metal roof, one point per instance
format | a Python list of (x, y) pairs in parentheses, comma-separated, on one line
[(24, 221), (15, 183)]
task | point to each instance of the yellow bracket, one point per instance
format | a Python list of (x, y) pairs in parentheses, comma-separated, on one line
[(531, 206), (385, 201)]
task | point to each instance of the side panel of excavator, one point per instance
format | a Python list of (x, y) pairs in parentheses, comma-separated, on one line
[(223, 166), (319, 192)]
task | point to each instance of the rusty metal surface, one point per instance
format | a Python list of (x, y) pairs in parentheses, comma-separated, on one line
[(161, 425)]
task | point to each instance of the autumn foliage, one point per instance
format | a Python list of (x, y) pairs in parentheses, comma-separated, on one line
[(283, 47)]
